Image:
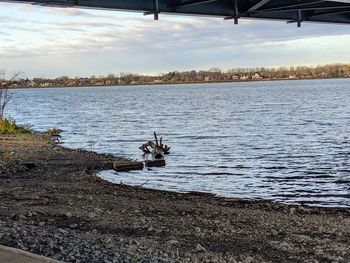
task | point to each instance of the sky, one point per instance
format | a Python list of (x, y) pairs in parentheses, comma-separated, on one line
[(53, 42)]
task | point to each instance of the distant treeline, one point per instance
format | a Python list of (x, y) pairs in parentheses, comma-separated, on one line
[(201, 76)]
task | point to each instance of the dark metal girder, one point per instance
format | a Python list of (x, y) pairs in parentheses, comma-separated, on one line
[(192, 2), (305, 9), (305, 6), (330, 13), (257, 6), (310, 10)]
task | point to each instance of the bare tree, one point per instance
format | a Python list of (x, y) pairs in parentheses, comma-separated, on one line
[(5, 95)]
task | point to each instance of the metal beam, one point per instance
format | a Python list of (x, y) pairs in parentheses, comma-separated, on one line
[(156, 9), (305, 9), (319, 3), (331, 11), (299, 19), (236, 11), (258, 6), (193, 2)]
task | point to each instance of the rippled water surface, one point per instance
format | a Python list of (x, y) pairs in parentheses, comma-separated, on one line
[(286, 141)]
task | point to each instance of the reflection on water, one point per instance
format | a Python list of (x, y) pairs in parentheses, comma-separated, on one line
[(285, 141)]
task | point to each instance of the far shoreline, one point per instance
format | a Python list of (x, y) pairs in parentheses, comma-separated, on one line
[(178, 83)]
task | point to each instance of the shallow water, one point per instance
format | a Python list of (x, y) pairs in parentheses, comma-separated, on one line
[(285, 141)]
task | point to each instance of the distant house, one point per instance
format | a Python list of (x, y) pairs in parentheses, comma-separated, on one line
[(256, 76), (83, 82), (70, 83), (46, 84), (323, 74), (235, 77), (208, 79), (32, 84)]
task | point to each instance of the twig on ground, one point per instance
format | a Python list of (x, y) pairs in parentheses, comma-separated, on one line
[(143, 184)]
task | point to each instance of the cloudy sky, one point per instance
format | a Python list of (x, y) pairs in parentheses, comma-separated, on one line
[(51, 42)]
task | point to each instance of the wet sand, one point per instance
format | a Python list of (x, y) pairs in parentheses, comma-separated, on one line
[(53, 204)]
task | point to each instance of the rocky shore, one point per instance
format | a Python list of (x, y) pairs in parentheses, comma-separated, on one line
[(53, 204)]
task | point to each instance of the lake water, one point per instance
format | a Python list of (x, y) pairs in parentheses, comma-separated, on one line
[(285, 141)]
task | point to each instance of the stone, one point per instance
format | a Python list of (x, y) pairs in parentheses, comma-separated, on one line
[(22, 217), (134, 242), (248, 260), (68, 214), (292, 210), (302, 238), (62, 231), (197, 229), (200, 248), (173, 242), (91, 215), (284, 246), (333, 258)]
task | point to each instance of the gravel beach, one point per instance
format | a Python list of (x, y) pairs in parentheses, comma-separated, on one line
[(53, 204)]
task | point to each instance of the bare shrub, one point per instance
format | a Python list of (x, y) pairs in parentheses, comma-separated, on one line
[(5, 95)]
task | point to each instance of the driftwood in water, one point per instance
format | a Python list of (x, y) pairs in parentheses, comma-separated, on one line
[(127, 166), (155, 163), (164, 148), (155, 137), (158, 150), (144, 148)]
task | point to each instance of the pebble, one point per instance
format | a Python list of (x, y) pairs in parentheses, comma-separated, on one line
[(91, 215), (22, 217), (284, 246), (248, 260), (62, 231), (68, 214), (302, 238), (292, 210), (173, 242), (200, 248)]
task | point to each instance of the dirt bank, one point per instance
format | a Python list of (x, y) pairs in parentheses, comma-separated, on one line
[(52, 204)]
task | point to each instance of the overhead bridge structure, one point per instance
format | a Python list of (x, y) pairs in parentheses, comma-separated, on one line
[(292, 11)]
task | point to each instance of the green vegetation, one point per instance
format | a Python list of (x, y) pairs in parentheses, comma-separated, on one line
[(9, 126), (54, 132)]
